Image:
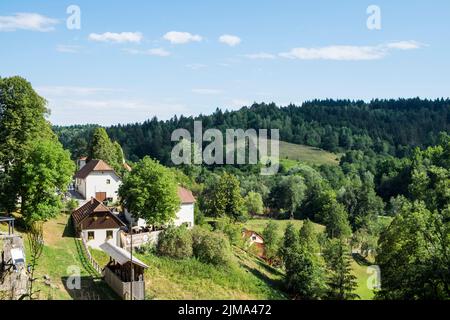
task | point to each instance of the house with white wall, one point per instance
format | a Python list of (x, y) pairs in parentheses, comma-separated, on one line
[(96, 224), (96, 179), (185, 214)]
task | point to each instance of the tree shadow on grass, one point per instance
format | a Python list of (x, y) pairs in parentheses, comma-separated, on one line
[(69, 231), (273, 283), (89, 289)]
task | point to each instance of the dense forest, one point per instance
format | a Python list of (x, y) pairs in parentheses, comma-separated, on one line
[(391, 127)]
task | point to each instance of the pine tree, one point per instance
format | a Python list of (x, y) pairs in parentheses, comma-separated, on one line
[(341, 281)]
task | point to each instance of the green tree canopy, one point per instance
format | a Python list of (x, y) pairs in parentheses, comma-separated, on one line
[(46, 174), (150, 192), (254, 203), (414, 254), (102, 148), (223, 198), (22, 120)]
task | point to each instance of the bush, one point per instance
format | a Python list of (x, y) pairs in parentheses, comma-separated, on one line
[(71, 205), (211, 247), (175, 243), (232, 230)]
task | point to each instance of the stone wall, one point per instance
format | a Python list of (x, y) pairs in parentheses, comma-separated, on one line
[(13, 280)]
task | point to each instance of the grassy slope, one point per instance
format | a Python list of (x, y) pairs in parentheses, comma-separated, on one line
[(247, 278), (307, 154), (290, 153), (62, 251)]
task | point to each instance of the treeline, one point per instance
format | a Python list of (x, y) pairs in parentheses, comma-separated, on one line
[(391, 127)]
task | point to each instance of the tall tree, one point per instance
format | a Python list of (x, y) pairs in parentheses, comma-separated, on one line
[(333, 215), (150, 192), (415, 254), (271, 241), (254, 203), (224, 198), (288, 194), (44, 178), (22, 119), (341, 281)]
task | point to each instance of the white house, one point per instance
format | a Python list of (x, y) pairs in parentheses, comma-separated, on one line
[(96, 179), (95, 223), (184, 216)]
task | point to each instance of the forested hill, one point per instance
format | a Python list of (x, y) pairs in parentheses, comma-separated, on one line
[(383, 126)]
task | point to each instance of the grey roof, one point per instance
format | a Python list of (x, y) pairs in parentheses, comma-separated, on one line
[(121, 256)]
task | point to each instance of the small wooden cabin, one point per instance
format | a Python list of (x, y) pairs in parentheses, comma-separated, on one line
[(124, 273)]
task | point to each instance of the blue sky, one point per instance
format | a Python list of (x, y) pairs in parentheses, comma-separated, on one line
[(132, 60)]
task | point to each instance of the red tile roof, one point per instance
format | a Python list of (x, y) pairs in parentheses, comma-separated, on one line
[(185, 195), (93, 165)]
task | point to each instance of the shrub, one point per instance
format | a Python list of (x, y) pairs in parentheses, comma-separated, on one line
[(232, 230), (71, 205), (211, 247), (175, 243)]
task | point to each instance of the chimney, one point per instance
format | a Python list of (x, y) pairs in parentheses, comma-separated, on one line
[(92, 200)]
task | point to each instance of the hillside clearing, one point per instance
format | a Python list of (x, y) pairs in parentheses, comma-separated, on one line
[(248, 278)]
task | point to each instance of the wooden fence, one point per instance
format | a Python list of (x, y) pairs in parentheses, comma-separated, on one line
[(94, 263)]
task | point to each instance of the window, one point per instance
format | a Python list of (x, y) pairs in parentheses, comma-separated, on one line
[(108, 181), (109, 234), (91, 235)]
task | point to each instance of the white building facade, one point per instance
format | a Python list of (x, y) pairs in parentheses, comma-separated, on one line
[(96, 179)]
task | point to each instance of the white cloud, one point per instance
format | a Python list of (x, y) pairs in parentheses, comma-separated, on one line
[(134, 37), (336, 53), (260, 55), (177, 37), (349, 53), (405, 45), (207, 91), (230, 40), (27, 21), (160, 52), (67, 48)]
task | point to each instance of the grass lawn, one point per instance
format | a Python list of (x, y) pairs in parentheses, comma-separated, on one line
[(60, 257), (360, 271), (247, 278)]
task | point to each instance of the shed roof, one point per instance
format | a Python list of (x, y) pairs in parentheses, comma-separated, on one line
[(121, 256)]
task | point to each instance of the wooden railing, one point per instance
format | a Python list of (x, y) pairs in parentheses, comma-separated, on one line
[(92, 261)]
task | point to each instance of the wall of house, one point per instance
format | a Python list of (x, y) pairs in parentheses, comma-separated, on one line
[(96, 182), (185, 215), (100, 237), (80, 185)]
